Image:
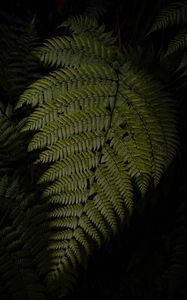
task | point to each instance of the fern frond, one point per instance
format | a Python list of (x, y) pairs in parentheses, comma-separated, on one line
[(142, 97), (89, 26), (11, 141), (61, 80), (178, 43), (70, 197), (172, 15), (99, 127), (71, 51), (72, 100), (81, 24), (96, 8), (67, 184), (117, 172), (17, 263), (19, 66), (10, 29)]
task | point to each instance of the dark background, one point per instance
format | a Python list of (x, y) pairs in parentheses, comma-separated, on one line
[(137, 263)]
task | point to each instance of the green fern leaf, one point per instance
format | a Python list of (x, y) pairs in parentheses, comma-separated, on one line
[(11, 141), (19, 66), (71, 51), (179, 43), (62, 80), (89, 26), (99, 129), (174, 14), (17, 244), (96, 8)]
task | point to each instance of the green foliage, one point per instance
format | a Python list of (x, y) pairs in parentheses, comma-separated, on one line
[(173, 18), (178, 43), (20, 245), (103, 130), (87, 141), (18, 65), (96, 8), (11, 141), (79, 25), (172, 15)]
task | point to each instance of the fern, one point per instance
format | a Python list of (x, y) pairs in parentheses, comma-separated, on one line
[(96, 8), (18, 65), (88, 43), (102, 127), (62, 51), (19, 243), (173, 15), (178, 43), (11, 141)]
